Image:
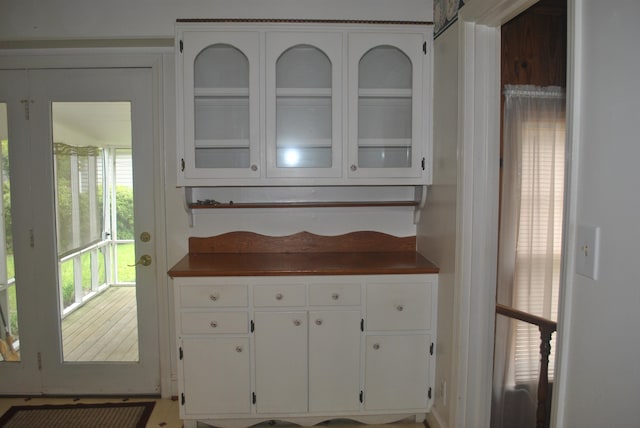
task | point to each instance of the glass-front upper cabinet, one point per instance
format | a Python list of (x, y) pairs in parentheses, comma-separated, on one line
[(303, 104), (220, 74), (387, 118)]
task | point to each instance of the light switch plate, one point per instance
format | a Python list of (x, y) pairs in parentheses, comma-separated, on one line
[(587, 249)]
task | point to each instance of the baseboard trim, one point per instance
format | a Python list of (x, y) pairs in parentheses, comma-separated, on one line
[(434, 420)]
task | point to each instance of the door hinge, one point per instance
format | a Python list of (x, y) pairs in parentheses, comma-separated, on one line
[(39, 361), (424, 47), (181, 353), (362, 324), (431, 349), (429, 393), (361, 396), (182, 400), (182, 164), (26, 103), (253, 397), (253, 326), (423, 163), (181, 45)]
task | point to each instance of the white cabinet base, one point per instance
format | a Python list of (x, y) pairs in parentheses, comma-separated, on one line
[(306, 420), (305, 349)]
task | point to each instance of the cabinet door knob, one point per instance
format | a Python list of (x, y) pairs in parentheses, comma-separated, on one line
[(296, 322), (353, 167), (238, 348), (254, 167), (213, 324), (376, 346), (279, 296), (318, 321), (335, 296), (214, 297), (400, 308)]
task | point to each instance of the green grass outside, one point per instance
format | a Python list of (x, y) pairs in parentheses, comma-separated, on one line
[(126, 257)]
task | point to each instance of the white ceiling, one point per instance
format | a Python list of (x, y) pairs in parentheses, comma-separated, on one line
[(102, 124)]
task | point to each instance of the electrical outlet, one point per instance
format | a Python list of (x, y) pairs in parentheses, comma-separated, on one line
[(587, 248)]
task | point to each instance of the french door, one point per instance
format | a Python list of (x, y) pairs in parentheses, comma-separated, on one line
[(77, 276)]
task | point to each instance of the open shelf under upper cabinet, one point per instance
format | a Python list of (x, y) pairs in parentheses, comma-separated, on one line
[(224, 198)]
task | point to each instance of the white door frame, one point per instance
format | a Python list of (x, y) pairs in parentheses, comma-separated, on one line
[(477, 202), (160, 61)]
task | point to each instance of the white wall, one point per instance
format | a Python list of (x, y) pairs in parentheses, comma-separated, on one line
[(93, 19), (437, 228), (601, 360)]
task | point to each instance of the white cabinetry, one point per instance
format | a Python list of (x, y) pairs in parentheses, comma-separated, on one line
[(332, 104), (217, 378), (304, 105), (220, 94), (305, 349), (387, 106), (280, 348), (398, 345)]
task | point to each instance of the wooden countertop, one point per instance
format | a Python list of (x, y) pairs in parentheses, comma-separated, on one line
[(360, 253)]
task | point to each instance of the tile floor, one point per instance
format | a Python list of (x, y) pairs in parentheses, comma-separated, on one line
[(165, 413)]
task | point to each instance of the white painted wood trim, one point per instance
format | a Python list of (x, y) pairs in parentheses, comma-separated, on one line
[(477, 202), (575, 51), (477, 231)]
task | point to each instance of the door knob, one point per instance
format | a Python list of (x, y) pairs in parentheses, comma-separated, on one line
[(145, 260)]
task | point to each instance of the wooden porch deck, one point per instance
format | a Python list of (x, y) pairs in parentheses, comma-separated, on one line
[(104, 329)]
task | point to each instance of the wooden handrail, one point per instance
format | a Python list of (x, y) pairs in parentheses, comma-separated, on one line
[(546, 327), (525, 316)]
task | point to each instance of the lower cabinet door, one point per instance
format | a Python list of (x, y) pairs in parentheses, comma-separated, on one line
[(280, 341), (216, 376), (396, 372), (334, 361)]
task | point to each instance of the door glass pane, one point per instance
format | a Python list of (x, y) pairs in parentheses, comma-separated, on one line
[(94, 221), (303, 109), (221, 97), (10, 332), (384, 109)]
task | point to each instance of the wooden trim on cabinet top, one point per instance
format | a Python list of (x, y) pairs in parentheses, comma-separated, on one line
[(302, 242), (316, 204), (298, 21)]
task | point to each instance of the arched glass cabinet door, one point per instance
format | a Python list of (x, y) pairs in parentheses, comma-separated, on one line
[(304, 112), (221, 105), (386, 133)]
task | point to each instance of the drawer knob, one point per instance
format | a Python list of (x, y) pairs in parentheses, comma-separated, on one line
[(238, 348), (376, 346), (296, 322), (335, 296), (214, 297), (279, 296), (318, 321), (213, 324), (400, 308)]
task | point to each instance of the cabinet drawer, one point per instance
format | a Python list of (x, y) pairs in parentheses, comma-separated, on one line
[(279, 295), (398, 307), (212, 296), (214, 322), (334, 294)]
